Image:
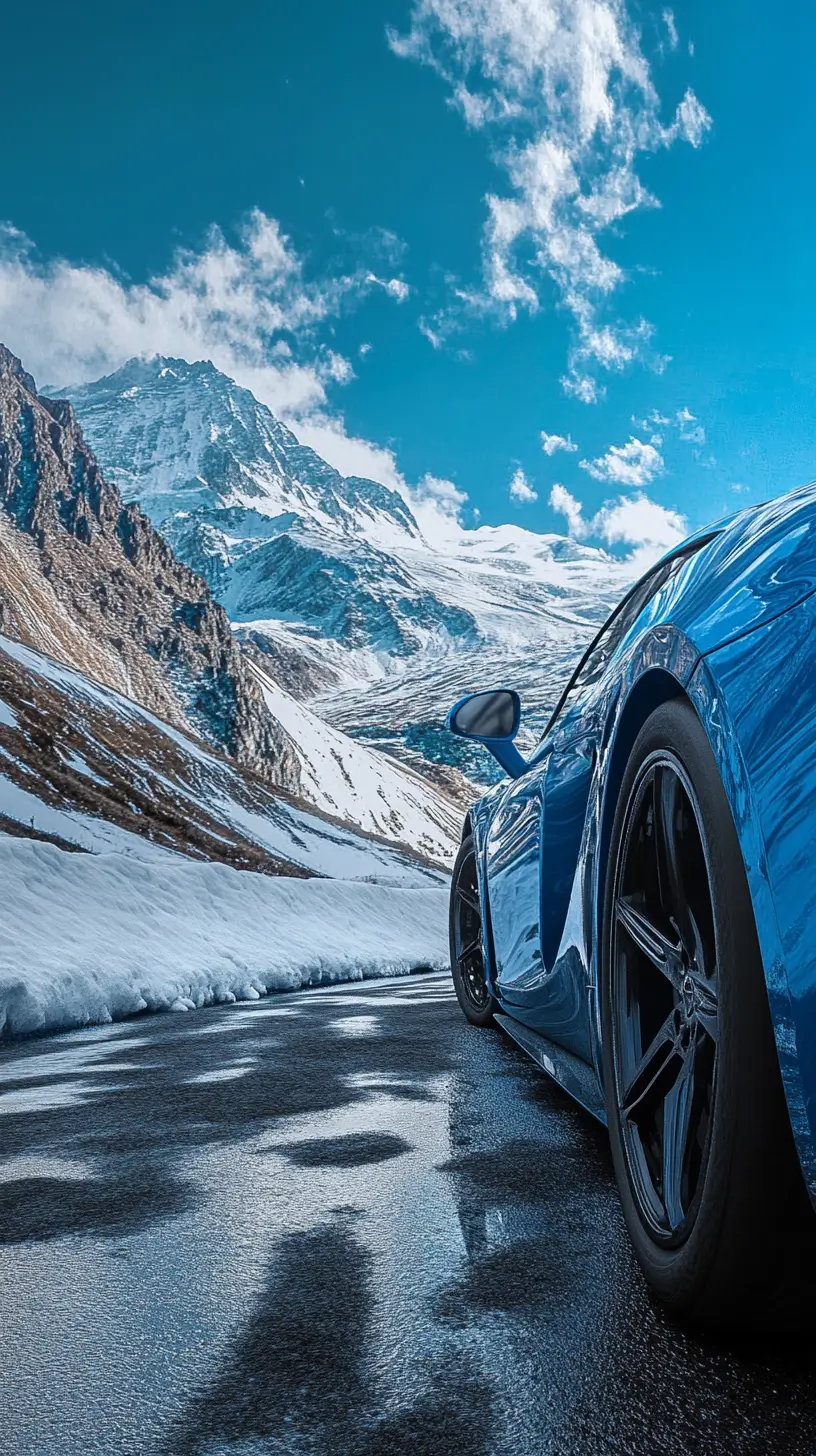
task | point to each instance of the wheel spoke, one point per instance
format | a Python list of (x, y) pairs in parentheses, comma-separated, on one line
[(646, 936), (469, 898), (667, 790), (472, 945), (707, 1009), (676, 1123), (651, 1067), (665, 1079)]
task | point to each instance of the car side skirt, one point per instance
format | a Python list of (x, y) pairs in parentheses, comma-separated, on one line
[(575, 1076)]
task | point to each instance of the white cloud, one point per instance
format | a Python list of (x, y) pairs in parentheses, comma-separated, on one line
[(692, 121), (228, 302), (563, 91), (551, 443), (633, 464), (689, 427), (581, 386), (437, 505), (395, 287), (642, 525), (434, 339), (671, 29), (639, 521), (521, 490), (686, 424), (566, 504)]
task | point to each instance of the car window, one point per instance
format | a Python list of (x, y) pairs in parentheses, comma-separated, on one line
[(615, 628)]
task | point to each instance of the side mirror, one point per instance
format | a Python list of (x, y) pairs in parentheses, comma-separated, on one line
[(493, 719)]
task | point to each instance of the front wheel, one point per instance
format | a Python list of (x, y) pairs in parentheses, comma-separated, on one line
[(702, 1146), (467, 939)]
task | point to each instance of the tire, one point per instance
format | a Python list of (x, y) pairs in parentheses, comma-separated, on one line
[(466, 928), (704, 1157)]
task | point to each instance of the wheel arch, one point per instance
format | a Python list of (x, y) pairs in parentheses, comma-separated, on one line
[(650, 691), (724, 732)]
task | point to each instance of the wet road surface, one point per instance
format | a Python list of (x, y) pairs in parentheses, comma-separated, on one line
[(341, 1223)]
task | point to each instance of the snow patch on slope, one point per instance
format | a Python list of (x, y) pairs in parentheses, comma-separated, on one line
[(204, 787), (345, 778)]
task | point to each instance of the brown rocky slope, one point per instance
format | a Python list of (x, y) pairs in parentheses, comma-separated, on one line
[(89, 581)]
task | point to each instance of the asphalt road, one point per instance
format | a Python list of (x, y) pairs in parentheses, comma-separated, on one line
[(341, 1223)]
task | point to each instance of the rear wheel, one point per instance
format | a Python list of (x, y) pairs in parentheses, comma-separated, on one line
[(704, 1157), (467, 939)]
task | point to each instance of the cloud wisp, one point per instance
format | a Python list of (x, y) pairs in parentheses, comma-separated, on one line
[(521, 491), (551, 443), (247, 305), (564, 93), (250, 307), (643, 527), (634, 464)]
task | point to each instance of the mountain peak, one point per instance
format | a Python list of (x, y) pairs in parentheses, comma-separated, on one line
[(184, 438), (142, 370), (10, 365)]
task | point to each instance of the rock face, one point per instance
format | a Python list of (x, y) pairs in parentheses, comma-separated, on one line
[(88, 580)]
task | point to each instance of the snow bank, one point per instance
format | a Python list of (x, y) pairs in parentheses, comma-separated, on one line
[(93, 938)]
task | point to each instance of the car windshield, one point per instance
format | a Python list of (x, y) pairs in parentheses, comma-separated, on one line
[(626, 613)]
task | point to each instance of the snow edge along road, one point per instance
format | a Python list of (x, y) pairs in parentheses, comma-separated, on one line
[(88, 939)]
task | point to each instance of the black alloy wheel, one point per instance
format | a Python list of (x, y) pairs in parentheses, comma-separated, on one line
[(467, 950), (702, 1147), (664, 997)]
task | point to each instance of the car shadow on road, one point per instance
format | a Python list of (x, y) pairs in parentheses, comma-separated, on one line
[(298, 1377)]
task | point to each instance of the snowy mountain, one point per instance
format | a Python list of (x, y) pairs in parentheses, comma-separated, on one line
[(88, 580), (330, 580), (359, 784), (85, 769)]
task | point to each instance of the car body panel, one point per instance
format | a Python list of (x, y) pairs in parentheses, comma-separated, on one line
[(757, 696), (729, 628)]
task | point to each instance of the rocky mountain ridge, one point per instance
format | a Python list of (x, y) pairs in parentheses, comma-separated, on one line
[(87, 579)]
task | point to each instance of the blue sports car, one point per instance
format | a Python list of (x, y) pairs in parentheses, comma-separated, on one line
[(636, 905)]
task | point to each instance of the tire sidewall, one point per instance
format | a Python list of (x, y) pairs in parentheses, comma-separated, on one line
[(683, 1276), (475, 1015)]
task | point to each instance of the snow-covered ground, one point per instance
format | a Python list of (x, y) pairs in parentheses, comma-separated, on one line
[(358, 784), (119, 842), (93, 938)]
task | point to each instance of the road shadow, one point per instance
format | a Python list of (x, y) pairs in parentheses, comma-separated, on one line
[(354, 1150), (298, 1377), (33, 1209)]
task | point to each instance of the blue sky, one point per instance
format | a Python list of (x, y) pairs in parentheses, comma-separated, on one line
[(363, 284)]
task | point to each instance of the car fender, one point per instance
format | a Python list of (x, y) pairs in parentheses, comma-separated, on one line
[(756, 698)]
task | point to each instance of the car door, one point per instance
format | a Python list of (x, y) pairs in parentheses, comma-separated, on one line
[(547, 987), (534, 880), (513, 855)]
